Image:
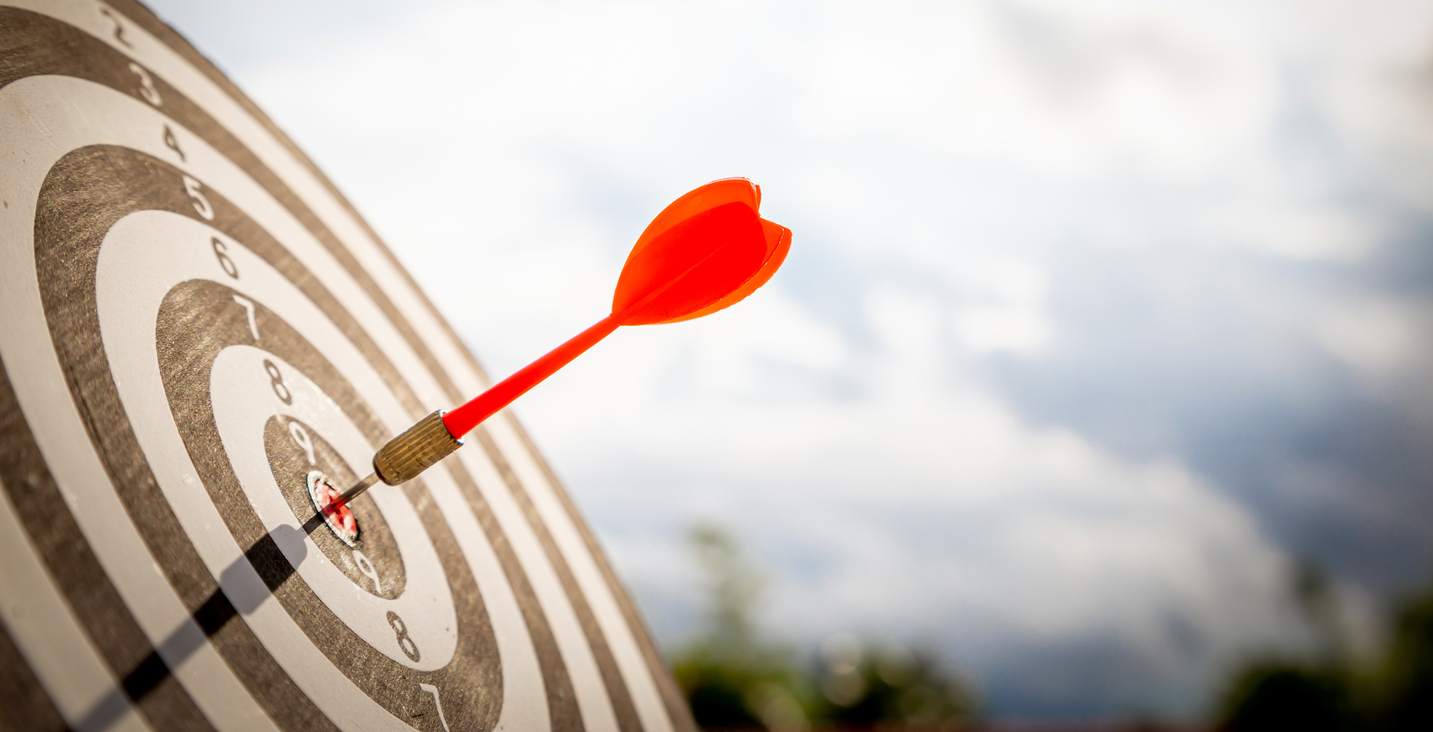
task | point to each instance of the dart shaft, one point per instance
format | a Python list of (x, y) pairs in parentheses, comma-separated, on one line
[(462, 420), (436, 436), (358, 490)]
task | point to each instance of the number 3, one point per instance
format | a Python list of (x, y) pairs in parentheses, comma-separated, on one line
[(146, 84)]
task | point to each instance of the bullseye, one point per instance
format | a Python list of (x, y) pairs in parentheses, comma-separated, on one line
[(336, 514)]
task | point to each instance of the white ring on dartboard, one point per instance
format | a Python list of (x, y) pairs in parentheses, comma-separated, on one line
[(241, 411)]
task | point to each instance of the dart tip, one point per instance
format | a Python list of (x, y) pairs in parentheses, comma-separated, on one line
[(357, 490)]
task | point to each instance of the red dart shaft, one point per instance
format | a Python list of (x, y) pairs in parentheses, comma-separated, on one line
[(705, 251), (462, 420)]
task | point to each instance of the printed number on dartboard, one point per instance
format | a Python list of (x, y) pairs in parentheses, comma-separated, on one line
[(304, 440), (405, 642)]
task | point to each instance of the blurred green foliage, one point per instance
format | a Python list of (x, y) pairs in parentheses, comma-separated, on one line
[(734, 678), (1331, 691), (890, 685)]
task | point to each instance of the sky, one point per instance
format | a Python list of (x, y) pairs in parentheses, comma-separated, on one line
[(1098, 315)]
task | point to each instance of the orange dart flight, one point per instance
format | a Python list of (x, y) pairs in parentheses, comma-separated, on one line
[(706, 251)]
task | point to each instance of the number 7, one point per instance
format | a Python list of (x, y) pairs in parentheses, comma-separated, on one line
[(431, 689), (249, 307)]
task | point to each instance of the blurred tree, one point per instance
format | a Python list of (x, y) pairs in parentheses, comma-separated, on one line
[(1282, 696), (892, 686), (734, 678), (1330, 692), (731, 676), (1403, 696), (1316, 597)]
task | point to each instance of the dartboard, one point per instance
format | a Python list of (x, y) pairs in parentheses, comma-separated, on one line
[(198, 338)]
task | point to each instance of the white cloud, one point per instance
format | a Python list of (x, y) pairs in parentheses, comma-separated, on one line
[(1009, 309), (1384, 341)]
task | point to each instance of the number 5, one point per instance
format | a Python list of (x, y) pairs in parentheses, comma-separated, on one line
[(201, 204)]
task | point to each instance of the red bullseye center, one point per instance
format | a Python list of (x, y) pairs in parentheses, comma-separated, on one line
[(337, 515)]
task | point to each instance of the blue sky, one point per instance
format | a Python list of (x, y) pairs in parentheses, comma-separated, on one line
[(1097, 314)]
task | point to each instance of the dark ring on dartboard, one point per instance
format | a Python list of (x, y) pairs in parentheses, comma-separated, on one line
[(110, 181)]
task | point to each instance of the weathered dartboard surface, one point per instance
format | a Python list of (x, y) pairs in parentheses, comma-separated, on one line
[(193, 324)]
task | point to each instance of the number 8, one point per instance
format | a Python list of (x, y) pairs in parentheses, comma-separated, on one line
[(405, 642), (276, 380)]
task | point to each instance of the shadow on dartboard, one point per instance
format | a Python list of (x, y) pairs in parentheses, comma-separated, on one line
[(273, 566)]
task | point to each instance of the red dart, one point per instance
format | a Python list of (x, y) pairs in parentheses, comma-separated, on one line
[(704, 252)]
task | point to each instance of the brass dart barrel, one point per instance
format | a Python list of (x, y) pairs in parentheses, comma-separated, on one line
[(416, 450)]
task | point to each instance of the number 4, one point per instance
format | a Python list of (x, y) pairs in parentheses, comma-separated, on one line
[(431, 689)]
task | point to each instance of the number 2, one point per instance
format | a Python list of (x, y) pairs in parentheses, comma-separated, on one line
[(118, 28)]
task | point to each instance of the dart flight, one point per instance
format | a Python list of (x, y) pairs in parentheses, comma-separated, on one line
[(706, 251)]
